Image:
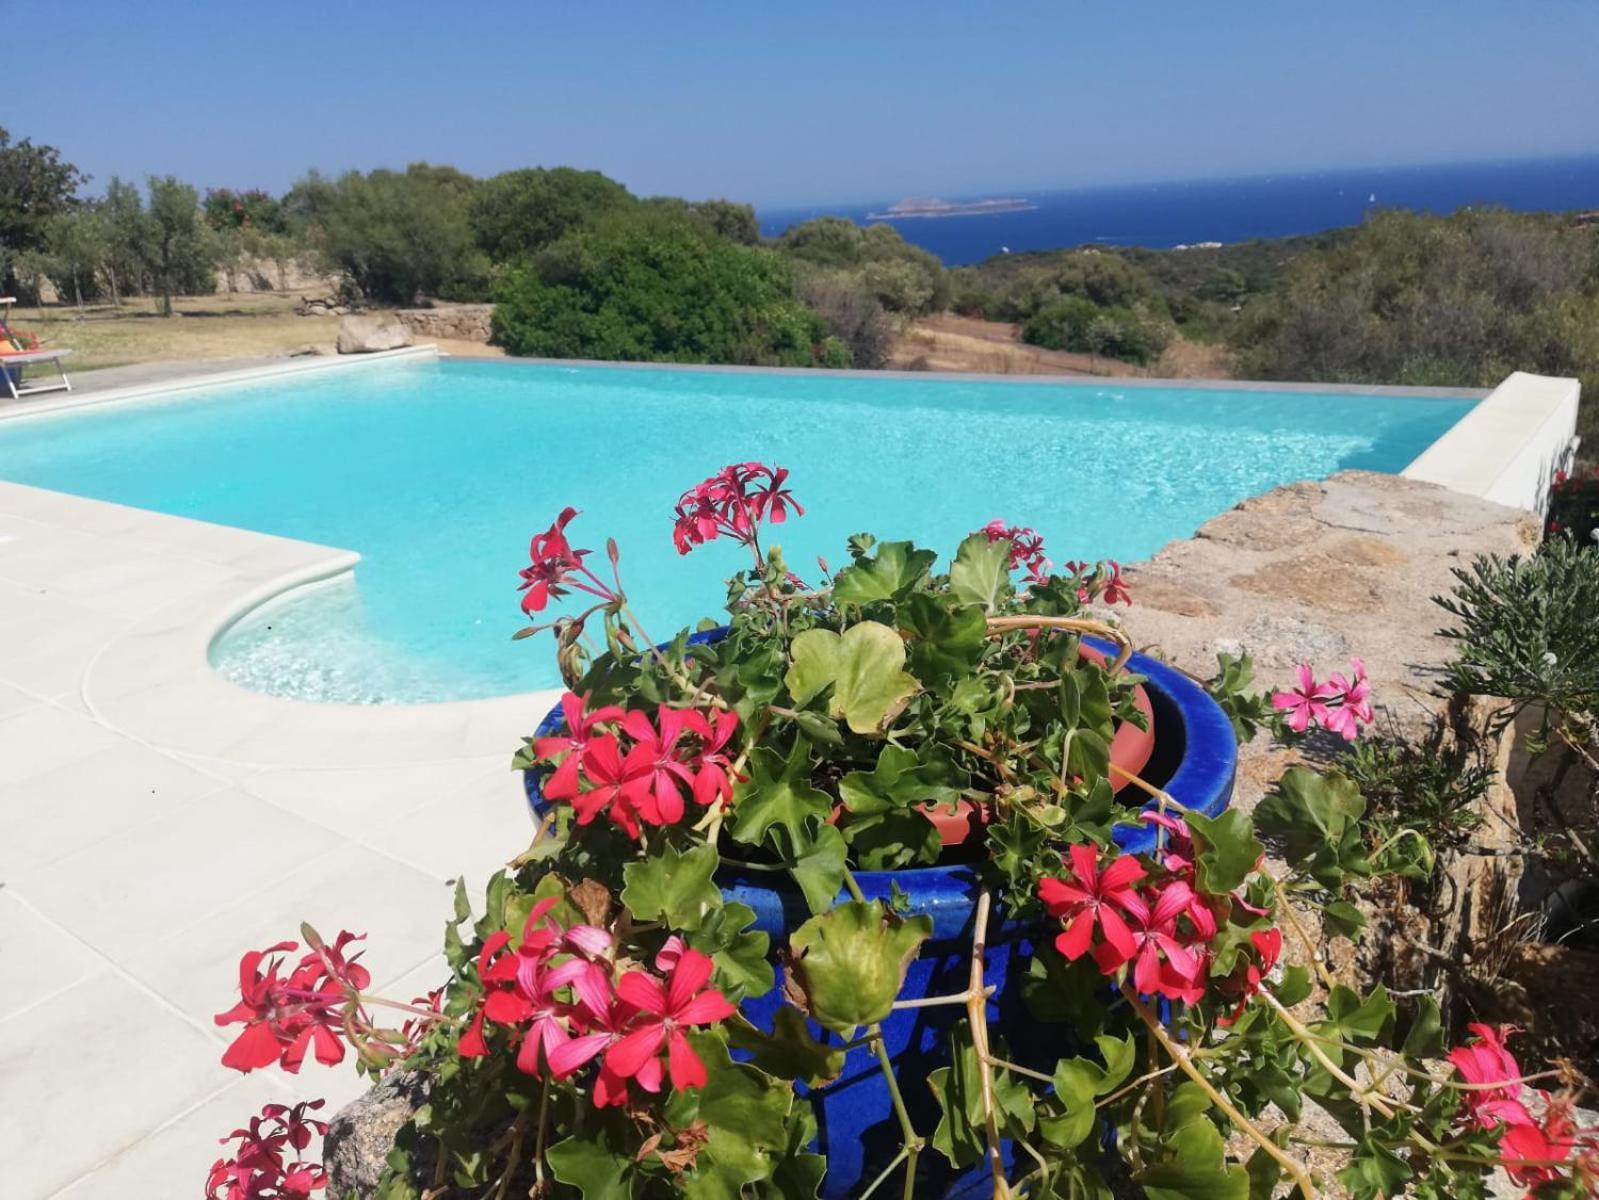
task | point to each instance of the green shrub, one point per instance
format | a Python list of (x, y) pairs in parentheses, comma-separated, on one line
[(904, 278), (398, 236), (1442, 301), (648, 286), (1078, 324), (518, 213)]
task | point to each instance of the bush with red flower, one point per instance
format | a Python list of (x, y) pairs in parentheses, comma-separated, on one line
[(592, 1038)]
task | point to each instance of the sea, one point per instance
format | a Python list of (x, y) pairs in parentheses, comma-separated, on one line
[(1163, 215)]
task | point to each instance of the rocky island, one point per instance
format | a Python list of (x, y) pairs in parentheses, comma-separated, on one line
[(918, 207)]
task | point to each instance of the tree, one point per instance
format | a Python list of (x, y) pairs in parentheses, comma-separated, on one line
[(127, 235), (177, 249), (35, 186), (518, 213), (649, 285), (77, 243), (397, 236)]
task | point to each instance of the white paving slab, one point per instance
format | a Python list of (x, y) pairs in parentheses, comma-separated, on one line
[(156, 821)]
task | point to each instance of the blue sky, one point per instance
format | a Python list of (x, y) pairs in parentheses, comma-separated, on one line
[(802, 103)]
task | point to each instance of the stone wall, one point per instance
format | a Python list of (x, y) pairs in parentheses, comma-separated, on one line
[(455, 322)]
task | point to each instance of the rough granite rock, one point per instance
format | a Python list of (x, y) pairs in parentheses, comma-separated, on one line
[(364, 335), (361, 1134), (458, 322), (1315, 572)]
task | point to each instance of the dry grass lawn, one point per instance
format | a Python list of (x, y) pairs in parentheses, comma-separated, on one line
[(951, 343), (246, 325)]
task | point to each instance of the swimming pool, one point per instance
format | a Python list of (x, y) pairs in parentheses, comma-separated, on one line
[(438, 472)]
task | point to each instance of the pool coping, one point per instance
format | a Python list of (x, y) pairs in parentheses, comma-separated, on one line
[(155, 680), (68, 401), (1096, 381)]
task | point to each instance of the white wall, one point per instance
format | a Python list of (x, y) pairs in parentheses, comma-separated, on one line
[(1508, 448)]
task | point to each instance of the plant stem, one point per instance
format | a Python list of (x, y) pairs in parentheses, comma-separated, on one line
[(1007, 1065), (977, 1018), (1179, 1055), (934, 1001), (1362, 1093), (886, 1172), (1299, 930), (853, 886)]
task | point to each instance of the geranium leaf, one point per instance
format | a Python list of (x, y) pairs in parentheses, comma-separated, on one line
[(1197, 1169), (1425, 1038), (1226, 850), (946, 642), (1360, 1020), (778, 792), (900, 779), (958, 1088), (1295, 985), (672, 887), (745, 1111), (980, 572), (789, 1051), (594, 1171), (894, 570), (740, 953), (816, 861), (893, 840), (865, 668), (1079, 1082), (1374, 1171), (849, 963)]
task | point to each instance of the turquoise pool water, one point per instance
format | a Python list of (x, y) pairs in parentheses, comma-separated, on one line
[(437, 473)]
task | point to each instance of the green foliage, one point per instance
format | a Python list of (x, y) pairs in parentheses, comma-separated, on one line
[(1317, 817), (901, 277), (1525, 628), (1429, 787), (1078, 324), (649, 286), (176, 250), (397, 235), (1231, 688), (864, 668), (518, 213), (849, 962), (225, 208), (36, 186), (1460, 300)]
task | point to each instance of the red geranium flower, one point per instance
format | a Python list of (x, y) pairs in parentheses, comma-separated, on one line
[(655, 768), (571, 742), (665, 1010), (557, 568), (1093, 897)]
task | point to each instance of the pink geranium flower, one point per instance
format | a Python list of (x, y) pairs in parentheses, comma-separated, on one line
[(1306, 704), (1091, 898), (665, 1010), (1486, 1060), (1350, 707), (610, 789), (1026, 548), (1116, 588)]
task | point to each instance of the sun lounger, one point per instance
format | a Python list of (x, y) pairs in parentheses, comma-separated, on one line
[(16, 355), (12, 363)]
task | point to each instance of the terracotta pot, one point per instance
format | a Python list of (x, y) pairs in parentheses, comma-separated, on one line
[(1130, 749)]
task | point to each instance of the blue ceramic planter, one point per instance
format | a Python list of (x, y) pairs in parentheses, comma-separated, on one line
[(1195, 759)]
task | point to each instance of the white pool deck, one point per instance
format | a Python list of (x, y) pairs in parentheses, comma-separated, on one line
[(156, 820)]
